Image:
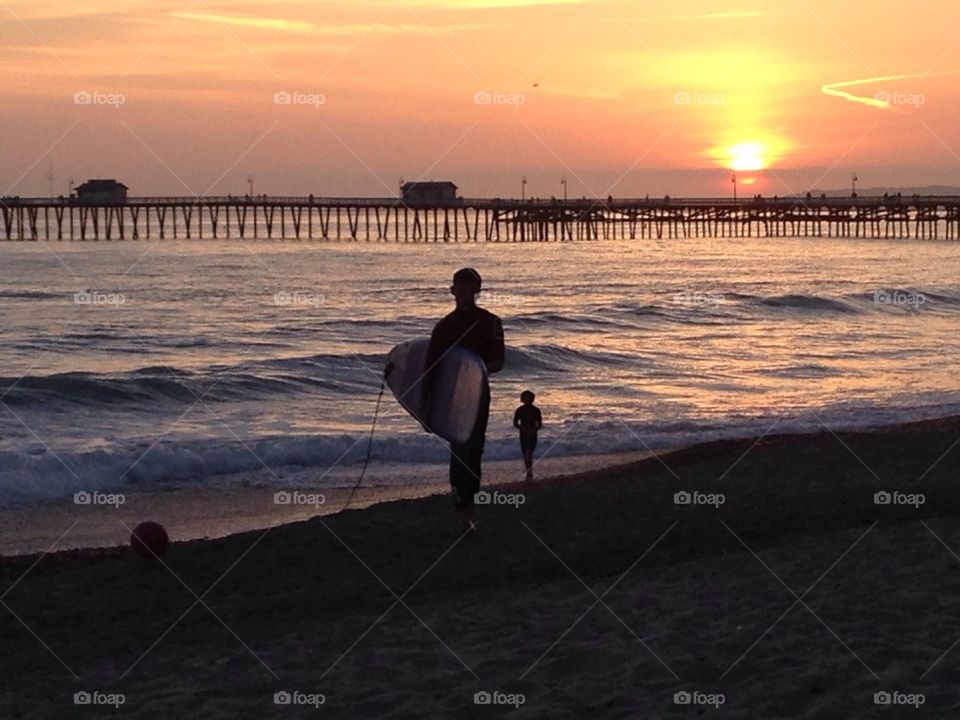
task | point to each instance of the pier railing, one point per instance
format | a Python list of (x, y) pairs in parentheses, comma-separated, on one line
[(866, 201)]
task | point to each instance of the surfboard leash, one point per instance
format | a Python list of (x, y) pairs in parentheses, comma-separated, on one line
[(366, 460)]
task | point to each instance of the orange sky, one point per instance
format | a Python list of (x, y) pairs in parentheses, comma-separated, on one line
[(622, 98)]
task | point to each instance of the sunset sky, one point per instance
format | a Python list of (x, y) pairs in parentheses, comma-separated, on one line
[(344, 98)]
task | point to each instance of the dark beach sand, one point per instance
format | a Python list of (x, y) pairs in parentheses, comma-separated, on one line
[(598, 597), (229, 505)]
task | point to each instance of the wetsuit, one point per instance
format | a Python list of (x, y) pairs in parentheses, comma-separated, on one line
[(480, 332)]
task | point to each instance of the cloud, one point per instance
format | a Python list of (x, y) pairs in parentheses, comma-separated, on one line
[(480, 4), (737, 15), (303, 26), (249, 21), (712, 16)]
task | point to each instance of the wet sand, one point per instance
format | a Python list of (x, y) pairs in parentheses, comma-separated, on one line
[(225, 507), (599, 596)]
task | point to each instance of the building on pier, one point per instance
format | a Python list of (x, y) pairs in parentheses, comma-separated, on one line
[(102, 192), (428, 193)]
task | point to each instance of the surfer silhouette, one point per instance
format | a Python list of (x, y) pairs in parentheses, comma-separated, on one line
[(528, 420), (481, 332)]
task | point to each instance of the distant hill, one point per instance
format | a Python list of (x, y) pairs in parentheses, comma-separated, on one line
[(906, 191)]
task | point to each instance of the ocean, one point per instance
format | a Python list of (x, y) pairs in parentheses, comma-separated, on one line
[(143, 366)]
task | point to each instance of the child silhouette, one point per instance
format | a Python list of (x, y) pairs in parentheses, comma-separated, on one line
[(528, 420)]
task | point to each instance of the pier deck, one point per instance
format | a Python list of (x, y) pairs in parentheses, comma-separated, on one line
[(477, 220)]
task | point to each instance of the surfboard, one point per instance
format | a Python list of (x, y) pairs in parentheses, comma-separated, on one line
[(457, 393)]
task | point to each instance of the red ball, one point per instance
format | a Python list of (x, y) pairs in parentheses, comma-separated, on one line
[(149, 540)]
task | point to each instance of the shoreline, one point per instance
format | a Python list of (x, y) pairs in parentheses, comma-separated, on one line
[(210, 513), (220, 509)]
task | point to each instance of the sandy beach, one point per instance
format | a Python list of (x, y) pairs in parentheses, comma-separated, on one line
[(781, 590), (264, 499)]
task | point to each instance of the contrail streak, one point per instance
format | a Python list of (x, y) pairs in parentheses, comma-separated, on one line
[(834, 89)]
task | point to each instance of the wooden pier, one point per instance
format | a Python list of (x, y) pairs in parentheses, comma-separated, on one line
[(486, 220)]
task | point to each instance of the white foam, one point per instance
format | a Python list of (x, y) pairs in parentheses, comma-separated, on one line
[(35, 474)]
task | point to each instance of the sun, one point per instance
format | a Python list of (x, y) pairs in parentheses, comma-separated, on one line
[(758, 152), (746, 156)]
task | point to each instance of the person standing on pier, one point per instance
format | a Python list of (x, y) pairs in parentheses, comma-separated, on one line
[(481, 332)]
